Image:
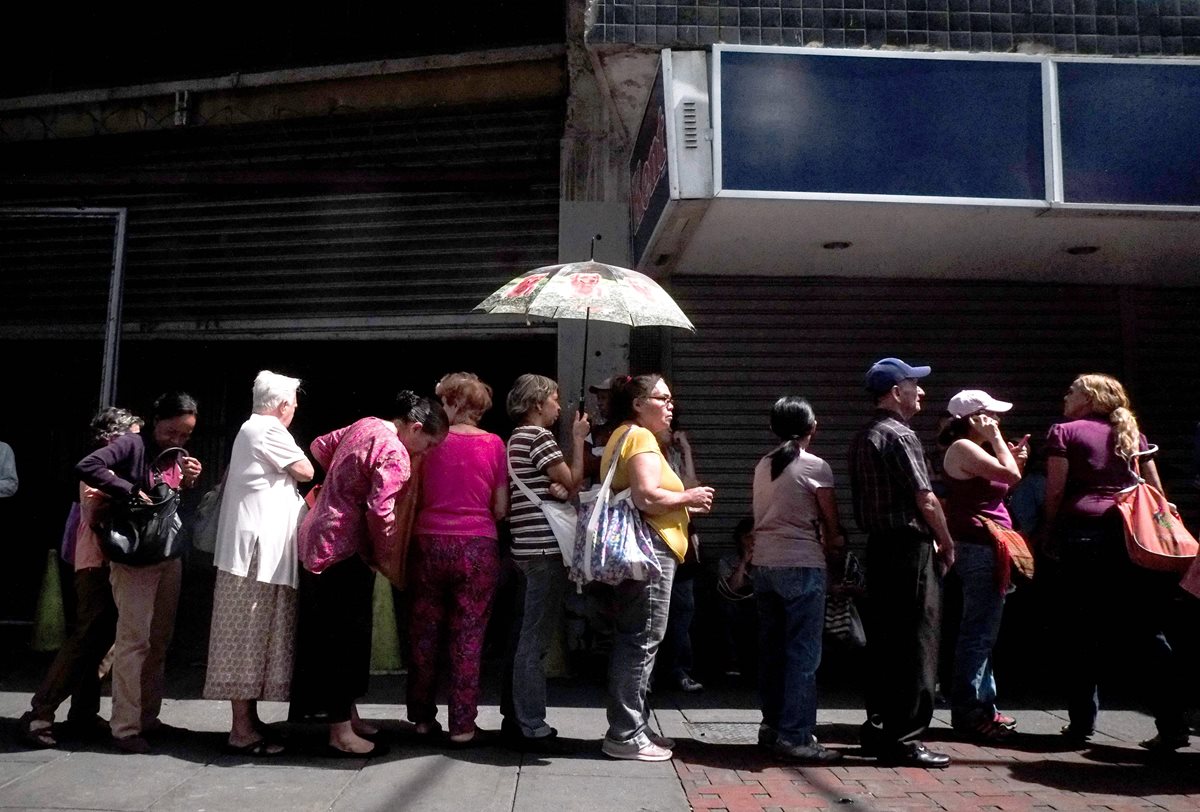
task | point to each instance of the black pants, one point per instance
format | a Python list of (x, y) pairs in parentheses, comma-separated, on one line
[(1113, 615), (902, 636), (74, 670), (333, 645)]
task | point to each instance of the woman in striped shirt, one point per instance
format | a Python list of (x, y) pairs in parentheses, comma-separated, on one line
[(534, 457)]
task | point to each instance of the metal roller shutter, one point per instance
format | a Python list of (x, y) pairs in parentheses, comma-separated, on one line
[(338, 227), (759, 338)]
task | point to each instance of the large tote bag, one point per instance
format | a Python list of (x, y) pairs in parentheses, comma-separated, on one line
[(613, 543), (1155, 537)]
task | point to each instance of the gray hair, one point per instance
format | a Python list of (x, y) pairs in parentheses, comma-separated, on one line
[(528, 392), (111, 423), (272, 389)]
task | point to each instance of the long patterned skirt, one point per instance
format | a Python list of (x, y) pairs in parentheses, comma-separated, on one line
[(252, 640)]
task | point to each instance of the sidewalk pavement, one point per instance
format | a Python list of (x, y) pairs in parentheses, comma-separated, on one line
[(716, 767)]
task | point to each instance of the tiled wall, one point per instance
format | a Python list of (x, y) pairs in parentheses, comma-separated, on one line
[(1110, 27)]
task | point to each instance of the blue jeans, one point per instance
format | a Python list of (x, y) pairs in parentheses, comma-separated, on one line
[(678, 642), (973, 695), (791, 619), (638, 629), (543, 583)]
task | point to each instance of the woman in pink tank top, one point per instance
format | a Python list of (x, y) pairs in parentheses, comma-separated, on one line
[(455, 557)]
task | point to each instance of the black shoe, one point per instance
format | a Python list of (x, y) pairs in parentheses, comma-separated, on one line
[(1076, 734), (914, 754)]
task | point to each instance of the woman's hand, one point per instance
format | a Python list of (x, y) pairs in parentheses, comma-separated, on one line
[(986, 425), (191, 468), (558, 492), (1020, 451), (581, 427), (698, 500)]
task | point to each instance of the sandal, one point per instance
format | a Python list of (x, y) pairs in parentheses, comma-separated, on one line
[(258, 749), (38, 733)]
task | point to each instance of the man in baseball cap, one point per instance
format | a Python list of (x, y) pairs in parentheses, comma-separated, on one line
[(907, 540)]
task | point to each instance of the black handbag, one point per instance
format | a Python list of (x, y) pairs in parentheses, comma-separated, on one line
[(140, 533)]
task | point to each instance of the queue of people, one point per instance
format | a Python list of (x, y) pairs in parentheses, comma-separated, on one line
[(292, 611)]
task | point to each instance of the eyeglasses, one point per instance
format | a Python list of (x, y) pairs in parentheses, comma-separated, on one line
[(661, 398)]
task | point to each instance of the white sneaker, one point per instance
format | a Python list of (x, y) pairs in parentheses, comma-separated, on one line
[(634, 751)]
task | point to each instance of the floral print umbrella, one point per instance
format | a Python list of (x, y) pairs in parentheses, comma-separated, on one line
[(588, 290)]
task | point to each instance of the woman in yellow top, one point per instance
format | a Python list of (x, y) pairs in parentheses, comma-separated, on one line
[(643, 407)]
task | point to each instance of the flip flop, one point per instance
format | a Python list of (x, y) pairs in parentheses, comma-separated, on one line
[(39, 737), (334, 752), (259, 749)]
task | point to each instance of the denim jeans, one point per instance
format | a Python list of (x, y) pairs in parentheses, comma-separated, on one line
[(973, 695), (791, 619), (641, 609), (678, 642), (542, 585)]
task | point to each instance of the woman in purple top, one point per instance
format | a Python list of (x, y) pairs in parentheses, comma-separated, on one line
[(456, 557), (978, 469), (1104, 594), (366, 467)]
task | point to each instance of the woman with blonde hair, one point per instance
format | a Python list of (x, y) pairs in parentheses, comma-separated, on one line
[(252, 642), (455, 557), (1089, 459)]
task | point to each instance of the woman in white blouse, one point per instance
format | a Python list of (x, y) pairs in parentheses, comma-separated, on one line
[(251, 643)]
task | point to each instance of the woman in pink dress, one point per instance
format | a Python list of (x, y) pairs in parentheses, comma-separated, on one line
[(367, 465), (456, 557)]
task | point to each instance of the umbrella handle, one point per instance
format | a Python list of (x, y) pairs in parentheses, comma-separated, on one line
[(587, 318)]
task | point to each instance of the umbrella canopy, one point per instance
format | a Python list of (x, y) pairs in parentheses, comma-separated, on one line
[(588, 290)]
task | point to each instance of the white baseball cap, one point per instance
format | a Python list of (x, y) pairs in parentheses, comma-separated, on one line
[(972, 401)]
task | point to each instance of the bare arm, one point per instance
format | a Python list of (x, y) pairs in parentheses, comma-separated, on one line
[(688, 474), (645, 481), (830, 523), (500, 502), (571, 476), (1150, 474), (1056, 485), (966, 459), (931, 511), (301, 470)]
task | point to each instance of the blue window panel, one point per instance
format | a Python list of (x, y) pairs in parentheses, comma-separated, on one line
[(1130, 133), (862, 125)]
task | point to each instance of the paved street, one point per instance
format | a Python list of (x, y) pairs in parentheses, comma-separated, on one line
[(716, 767)]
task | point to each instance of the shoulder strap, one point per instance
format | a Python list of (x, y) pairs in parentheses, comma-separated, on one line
[(616, 457), (521, 486)]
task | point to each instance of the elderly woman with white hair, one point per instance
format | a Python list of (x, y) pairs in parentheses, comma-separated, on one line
[(251, 644)]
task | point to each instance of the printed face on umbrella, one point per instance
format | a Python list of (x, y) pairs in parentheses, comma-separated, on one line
[(584, 284), (525, 286)]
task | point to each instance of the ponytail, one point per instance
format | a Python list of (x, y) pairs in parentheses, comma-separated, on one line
[(783, 456), (1108, 399), (1126, 437), (792, 420), (409, 407)]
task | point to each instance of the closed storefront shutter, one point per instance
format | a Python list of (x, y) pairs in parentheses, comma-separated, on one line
[(760, 337), (339, 227)]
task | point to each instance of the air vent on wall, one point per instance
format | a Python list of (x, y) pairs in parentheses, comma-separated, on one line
[(691, 125)]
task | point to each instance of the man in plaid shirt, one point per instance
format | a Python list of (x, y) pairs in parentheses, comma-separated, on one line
[(907, 543)]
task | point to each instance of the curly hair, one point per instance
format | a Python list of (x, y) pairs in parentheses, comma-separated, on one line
[(528, 393), (110, 423), (1108, 399), (470, 396)]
